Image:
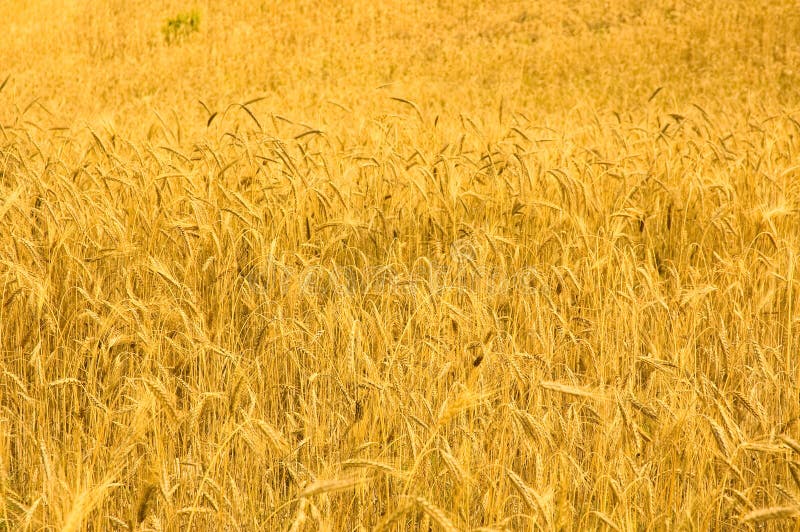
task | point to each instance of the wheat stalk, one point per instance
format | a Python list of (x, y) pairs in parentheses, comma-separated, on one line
[(770, 514)]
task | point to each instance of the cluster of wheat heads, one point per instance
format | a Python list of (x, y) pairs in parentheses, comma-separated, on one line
[(414, 325)]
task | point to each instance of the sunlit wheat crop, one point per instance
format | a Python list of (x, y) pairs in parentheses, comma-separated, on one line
[(399, 266)]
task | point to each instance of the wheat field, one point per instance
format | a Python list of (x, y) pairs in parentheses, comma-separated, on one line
[(386, 265)]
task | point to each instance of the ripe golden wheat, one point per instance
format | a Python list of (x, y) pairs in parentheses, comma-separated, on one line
[(400, 266)]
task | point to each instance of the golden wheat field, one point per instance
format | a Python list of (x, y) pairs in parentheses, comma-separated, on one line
[(388, 265)]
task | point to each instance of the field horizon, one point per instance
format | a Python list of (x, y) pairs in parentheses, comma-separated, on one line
[(395, 266)]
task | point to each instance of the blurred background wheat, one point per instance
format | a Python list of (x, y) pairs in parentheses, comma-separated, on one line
[(386, 265)]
